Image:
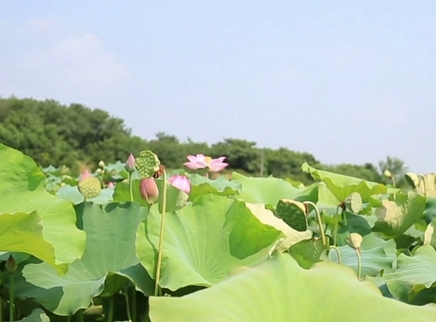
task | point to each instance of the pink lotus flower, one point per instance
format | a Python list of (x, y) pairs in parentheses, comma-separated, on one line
[(200, 161), (180, 182), (149, 190), (84, 175)]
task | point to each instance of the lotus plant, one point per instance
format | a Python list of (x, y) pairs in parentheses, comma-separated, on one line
[(130, 168), (180, 182), (201, 161)]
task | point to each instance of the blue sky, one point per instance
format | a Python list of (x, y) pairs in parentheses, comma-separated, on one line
[(349, 82)]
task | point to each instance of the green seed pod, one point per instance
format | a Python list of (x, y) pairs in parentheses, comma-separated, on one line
[(89, 187), (354, 202), (147, 164), (293, 213)]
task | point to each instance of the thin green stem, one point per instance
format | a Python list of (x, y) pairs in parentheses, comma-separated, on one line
[(335, 233), (318, 216), (161, 236), (1, 310), (359, 263), (11, 297), (80, 316), (131, 186), (339, 254), (133, 303), (110, 315), (421, 177), (69, 318), (126, 295), (344, 216)]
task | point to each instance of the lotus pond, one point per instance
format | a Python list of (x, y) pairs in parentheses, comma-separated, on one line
[(109, 247)]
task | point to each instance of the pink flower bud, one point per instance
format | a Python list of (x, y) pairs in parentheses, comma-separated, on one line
[(130, 163), (110, 185), (149, 190), (181, 183), (85, 174)]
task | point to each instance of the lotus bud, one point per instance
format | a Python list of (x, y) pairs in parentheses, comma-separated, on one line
[(354, 240), (11, 264), (101, 164), (149, 190), (387, 173), (110, 185), (130, 163)]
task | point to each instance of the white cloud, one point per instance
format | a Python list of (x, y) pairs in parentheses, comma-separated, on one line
[(45, 61)]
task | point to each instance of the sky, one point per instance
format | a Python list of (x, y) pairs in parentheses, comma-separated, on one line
[(347, 81)]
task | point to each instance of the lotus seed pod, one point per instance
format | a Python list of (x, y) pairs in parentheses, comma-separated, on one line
[(89, 187), (149, 190), (147, 164), (293, 213), (101, 164), (130, 163), (11, 264), (354, 202), (387, 173), (354, 240)]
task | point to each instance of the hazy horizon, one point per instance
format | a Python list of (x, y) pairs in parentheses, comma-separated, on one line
[(346, 82)]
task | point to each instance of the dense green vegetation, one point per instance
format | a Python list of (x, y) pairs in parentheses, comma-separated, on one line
[(55, 134)]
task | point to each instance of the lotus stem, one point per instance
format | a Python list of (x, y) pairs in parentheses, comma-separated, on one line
[(80, 316), (69, 318), (126, 295), (133, 303), (335, 233), (131, 186), (161, 235), (338, 253), (11, 297), (318, 216), (110, 315), (1, 310), (421, 177), (359, 263)]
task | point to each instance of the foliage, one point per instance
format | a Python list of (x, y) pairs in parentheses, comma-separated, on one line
[(77, 137), (241, 249)]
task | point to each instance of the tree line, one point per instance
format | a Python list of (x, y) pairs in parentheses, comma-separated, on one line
[(75, 135)]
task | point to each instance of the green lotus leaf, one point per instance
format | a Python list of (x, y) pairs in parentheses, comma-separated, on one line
[(270, 190), (110, 249), (397, 216), (279, 290), (201, 185), (423, 184), (430, 234), (292, 213), (37, 315), (22, 232), (204, 241), (342, 186), (22, 190), (416, 271)]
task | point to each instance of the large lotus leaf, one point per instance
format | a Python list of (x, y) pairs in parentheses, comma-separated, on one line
[(201, 241), (22, 190), (394, 217), (175, 198), (308, 252), (22, 232), (423, 184), (377, 255), (110, 247), (267, 217), (201, 185), (37, 315), (270, 190), (430, 234), (416, 271), (342, 186), (279, 290), (73, 194)]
